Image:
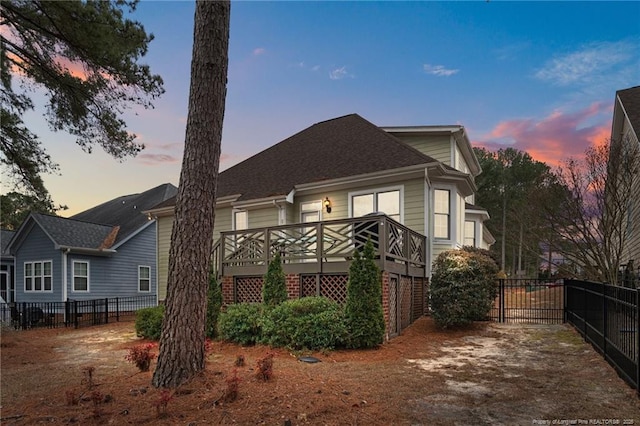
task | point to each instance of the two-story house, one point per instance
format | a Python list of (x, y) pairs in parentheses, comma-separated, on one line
[(323, 192)]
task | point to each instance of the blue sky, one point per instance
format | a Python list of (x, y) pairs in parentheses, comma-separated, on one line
[(538, 76)]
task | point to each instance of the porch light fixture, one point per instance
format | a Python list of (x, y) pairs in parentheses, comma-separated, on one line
[(327, 204)]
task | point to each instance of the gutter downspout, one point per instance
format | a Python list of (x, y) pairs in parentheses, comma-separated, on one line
[(282, 219), (64, 273)]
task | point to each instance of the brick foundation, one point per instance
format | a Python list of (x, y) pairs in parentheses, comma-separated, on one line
[(227, 290), (293, 286)]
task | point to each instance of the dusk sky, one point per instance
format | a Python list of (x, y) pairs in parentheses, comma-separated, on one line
[(540, 77)]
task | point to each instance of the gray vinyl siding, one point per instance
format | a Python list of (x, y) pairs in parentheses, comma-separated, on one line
[(165, 224), (37, 247), (223, 222), (435, 146), (632, 234), (117, 275), (262, 218), (414, 205)]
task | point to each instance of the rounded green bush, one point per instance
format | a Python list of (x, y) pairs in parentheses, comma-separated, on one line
[(149, 322), (241, 323), (307, 323), (463, 287)]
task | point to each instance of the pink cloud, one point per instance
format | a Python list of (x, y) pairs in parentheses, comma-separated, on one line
[(554, 138), (155, 159)]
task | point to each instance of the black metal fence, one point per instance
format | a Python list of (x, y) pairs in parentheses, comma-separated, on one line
[(607, 317), (530, 301), (73, 313)]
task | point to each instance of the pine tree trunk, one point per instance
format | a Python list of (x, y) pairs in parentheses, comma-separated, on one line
[(183, 332)]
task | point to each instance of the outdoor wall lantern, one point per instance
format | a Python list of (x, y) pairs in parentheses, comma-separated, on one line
[(327, 204)]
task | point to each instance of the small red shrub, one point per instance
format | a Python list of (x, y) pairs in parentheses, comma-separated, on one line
[(141, 356), (231, 393), (265, 368)]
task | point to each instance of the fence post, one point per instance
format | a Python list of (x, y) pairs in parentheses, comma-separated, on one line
[(23, 317), (501, 302), (565, 306), (106, 310), (67, 313), (117, 309), (75, 313), (604, 319)]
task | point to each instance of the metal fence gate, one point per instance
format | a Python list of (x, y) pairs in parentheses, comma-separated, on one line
[(529, 301)]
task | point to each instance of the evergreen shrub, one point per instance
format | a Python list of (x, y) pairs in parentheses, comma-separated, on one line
[(363, 314), (274, 290), (241, 323), (149, 322), (306, 323), (463, 287)]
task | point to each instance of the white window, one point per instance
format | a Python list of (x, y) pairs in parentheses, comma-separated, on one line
[(442, 213), (80, 276), (470, 233), (388, 202), (144, 279), (37, 276), (240, 220), (311, 211)]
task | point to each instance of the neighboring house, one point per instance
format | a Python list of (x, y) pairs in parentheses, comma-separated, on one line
[(321, 193), (625, 128), (104, 252), (7, 280)]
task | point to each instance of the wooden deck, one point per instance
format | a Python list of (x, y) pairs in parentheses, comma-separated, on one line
[(321, 247)]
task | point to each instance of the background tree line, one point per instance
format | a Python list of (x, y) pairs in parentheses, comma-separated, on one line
[(570, 220)]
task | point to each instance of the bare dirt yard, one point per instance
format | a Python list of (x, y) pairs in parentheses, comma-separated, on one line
[(490, 373)]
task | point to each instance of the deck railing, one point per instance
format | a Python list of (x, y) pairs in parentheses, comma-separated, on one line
[(321, 247)]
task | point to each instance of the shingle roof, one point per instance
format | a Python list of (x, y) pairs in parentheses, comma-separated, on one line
[(73, 233), (5, 237), (340, 147), (126, 211), (630, 99)]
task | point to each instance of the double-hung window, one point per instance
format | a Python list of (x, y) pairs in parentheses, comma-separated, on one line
[(144, 279), (442, 214), (470, 233), (37, 276), (80, 276)]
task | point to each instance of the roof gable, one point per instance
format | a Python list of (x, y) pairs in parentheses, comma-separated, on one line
[(126, 212), (5, 238), (332, 149), (64, 232)]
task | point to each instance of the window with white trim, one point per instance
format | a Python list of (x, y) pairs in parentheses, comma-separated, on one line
[(240, 220), (37, 276), (80, 276), (385, 201), (144, 279), (442, 214), (470, 233)]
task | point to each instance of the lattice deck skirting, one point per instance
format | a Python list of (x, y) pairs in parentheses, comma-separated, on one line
[(248, 289), (332, 286)]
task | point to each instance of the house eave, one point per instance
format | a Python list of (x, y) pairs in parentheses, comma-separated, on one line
[(416, 170), (85, 250), (258, 202)]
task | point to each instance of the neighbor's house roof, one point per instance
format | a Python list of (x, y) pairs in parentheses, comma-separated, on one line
[(629, 105), (5, 238), (126, 211), (338, 148), (100, 229)]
